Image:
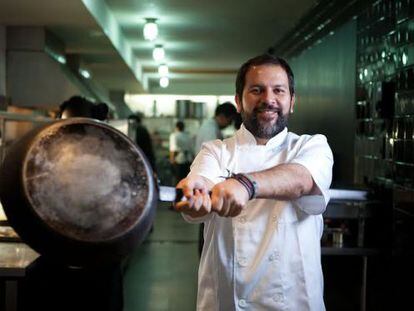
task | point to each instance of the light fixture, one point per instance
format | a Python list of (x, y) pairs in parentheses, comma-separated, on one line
[(163, 70), (150, 29), (57, 56), (164, 82), (85, 73), (158, 53), (61, 59), (404, 59)]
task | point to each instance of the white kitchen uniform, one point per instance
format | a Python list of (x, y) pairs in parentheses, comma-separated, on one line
[(209, 130), (268, 257), (182, 144)]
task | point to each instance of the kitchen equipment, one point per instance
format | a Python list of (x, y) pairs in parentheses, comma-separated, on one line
[(171, 194), (79, 191)]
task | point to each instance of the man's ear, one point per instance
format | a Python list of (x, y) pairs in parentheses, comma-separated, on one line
[(292, 103), (238, 103)]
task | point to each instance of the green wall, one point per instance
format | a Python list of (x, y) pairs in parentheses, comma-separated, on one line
[(325, 88)]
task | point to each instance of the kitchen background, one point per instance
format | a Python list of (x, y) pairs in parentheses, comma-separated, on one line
[(353, 63)]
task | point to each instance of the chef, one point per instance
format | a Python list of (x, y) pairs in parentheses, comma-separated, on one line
[(269, 188)]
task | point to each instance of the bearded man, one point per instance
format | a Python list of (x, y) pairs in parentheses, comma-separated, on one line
[(260, 195)]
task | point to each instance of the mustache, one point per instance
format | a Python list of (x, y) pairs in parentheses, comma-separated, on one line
[(266, 107)]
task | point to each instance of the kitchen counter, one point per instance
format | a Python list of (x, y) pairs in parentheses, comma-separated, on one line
[(15, 258), (357, 220)]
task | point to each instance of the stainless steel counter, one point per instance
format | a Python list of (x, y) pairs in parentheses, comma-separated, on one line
[(15, 258)]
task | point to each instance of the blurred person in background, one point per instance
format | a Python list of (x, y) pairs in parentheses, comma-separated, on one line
[(78, 106), (181, 151), (237, 121), (211, 129), (143, 139)]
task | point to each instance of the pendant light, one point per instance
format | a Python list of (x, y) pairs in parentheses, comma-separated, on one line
[(158, 53), (164, 82), (150, 29)]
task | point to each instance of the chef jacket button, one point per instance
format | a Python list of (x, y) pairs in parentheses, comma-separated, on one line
[(242, 261), (274, 256), (278, 298), (242, 220), (242, 303), (274, 218)]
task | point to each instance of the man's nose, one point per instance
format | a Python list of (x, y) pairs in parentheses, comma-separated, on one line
[(269, 96)]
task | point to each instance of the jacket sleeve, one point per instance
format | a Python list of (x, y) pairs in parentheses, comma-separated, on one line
[(316, 156)]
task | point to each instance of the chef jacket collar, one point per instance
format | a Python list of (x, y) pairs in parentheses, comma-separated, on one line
[(245, 137)]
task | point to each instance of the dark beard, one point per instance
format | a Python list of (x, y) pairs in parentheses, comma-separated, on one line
[(264, 131)]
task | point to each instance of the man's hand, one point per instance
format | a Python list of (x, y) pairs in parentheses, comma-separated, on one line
[(229, 198), (198, 202)]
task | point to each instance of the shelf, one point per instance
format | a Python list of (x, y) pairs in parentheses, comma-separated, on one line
[(404, 163), (348, 209), (350, 251), (404, 92), (404, 188), (402, 116), (7, 116), (404, 212), (374, 120)]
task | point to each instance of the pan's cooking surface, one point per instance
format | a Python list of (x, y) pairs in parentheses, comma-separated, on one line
[(86, 181)]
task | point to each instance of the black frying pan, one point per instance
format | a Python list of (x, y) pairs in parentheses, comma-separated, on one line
[(79, 191)]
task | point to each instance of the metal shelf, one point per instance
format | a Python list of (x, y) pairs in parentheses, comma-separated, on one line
[(15, 117)]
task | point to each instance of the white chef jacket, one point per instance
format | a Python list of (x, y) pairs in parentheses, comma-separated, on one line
[(209, 130), (268, 257), (182, 144)]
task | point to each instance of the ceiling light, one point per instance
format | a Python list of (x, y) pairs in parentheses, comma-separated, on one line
[(85, 73), (55, 55), (163, 70), (158, 53), (164, 82), (61, 59), (150, 29)]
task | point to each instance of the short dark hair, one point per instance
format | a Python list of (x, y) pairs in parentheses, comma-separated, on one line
[(227, 109), (180, 125), (264, 59), (78, 106), (137, 117)]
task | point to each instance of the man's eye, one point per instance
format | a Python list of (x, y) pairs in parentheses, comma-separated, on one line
[(255, 90), (279, 91)]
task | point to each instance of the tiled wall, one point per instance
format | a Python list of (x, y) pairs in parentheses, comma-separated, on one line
[(384, 143), (385, 93)]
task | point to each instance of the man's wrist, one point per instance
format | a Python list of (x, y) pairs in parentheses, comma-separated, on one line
[(254, 183), (248, 182)]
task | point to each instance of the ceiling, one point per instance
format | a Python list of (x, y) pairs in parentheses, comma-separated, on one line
[(205, 41)]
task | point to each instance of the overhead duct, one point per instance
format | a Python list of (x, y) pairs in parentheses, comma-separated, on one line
[(37, 74)]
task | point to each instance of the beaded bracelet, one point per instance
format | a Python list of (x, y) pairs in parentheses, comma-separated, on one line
[(247, 182)]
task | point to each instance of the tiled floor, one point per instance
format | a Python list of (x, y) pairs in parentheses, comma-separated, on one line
[(162, 273)]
